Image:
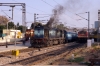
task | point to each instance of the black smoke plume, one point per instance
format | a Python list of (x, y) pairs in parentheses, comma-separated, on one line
[(70, 6), (59, 9)]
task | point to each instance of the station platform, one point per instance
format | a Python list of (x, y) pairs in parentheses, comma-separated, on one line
[(14, 47)]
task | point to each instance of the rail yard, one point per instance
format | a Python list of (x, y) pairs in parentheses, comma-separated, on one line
[(52, 38), (35, 56), (57, 54)]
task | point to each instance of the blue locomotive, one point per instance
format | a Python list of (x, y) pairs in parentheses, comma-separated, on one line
[(44, 36), (70, 36)]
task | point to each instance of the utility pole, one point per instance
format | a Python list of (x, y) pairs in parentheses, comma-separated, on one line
[(88, 24), (23, 11), (34, 19), (12, 21), (12, 10)]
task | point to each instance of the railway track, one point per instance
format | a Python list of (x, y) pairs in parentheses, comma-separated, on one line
[(24, 50), (49, 57), (28, 50)]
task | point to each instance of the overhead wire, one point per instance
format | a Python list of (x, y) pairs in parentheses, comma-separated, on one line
[(72, 12), (41, 10), (53, 7), (34, 8), (26, 11), (31, 7), (9, 16), (47, 3)]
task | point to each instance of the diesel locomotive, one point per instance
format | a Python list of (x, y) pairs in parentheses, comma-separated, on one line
[(44, 36)]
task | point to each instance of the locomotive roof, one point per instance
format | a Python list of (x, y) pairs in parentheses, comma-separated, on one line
[(45, 27)]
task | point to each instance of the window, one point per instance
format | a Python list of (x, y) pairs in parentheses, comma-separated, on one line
[(39, 33)]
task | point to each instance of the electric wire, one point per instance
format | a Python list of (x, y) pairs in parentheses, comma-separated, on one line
[(31, 7), (53, 7), (73, 13)]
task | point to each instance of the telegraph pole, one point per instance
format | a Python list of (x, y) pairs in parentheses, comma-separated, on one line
[(12, 10), (34, 19), (88, 24)]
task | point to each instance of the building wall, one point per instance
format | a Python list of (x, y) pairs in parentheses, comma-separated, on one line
[(96, 24)]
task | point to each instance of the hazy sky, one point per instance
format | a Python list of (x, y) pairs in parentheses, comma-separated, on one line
[(41, 7)]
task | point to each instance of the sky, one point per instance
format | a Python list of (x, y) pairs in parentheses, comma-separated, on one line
[(45, 9)]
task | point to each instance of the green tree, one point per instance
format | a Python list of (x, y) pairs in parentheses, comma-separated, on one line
[(17, 25), (21, 28), (2, 27), (11, 25)]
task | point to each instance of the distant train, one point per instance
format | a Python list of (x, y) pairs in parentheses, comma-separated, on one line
[(83, 35), (70, 36), (44, 36), (28, 34)]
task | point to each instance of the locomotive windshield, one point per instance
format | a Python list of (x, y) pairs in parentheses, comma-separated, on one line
[(38, 33), (69, 34)]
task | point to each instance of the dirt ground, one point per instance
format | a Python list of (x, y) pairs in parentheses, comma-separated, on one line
[(81, 55)]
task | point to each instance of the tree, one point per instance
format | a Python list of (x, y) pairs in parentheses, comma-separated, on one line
[(21, 28), (2, 26), (3, 20), (11, 25), (17, 24)]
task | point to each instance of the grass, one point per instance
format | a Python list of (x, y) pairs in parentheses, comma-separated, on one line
[(77, 59)]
